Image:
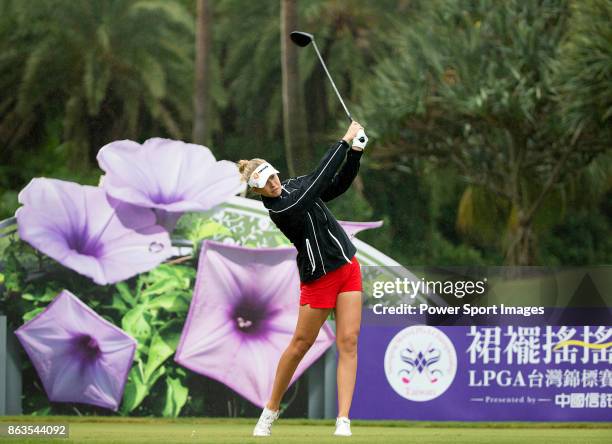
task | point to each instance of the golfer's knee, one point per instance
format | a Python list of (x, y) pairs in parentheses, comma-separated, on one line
[(347, 343), (300, 345)]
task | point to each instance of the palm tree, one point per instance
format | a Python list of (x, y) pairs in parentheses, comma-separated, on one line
[(108, 69)]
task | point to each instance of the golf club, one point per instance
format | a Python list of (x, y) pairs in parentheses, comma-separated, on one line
[(303, 39)]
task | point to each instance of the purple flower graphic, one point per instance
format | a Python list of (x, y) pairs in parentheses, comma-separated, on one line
[(352, 228), (242, 316), (170, 176), (78, 355), (86, 230)]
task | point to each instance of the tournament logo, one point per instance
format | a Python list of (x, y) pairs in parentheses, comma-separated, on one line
[(420, 363)]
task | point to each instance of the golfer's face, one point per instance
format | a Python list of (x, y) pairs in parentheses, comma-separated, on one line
[(272, 187)]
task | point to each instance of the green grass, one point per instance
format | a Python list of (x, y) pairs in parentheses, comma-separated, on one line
[(99, 429)]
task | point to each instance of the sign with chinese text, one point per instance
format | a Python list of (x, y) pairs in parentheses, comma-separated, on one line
[(484, 373)]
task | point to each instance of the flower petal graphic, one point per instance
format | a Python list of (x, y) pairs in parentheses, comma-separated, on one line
[(86, 230), (242, 316), (167, 174), (352, 227), (78, 355)]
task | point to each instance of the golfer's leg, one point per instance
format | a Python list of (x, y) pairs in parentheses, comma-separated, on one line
[(308, 325), (348, 323)]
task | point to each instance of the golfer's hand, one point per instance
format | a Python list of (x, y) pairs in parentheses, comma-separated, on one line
[(360, 140), (352, 131)]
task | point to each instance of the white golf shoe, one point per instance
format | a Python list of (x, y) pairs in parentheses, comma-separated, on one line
[(343, 426), (263, 426)]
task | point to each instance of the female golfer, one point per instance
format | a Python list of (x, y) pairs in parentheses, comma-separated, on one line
[(329, 272)]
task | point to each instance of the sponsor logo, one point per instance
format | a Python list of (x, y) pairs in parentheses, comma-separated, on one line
[(420, 363)]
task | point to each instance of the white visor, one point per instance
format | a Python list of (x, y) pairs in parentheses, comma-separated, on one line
[(260, 176)]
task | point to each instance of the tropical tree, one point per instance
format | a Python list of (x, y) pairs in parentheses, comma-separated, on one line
[(470, 84), (101, 70)]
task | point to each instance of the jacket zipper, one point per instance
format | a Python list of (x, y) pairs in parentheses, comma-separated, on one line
[(316, 242), (340, 245), (309, 252)]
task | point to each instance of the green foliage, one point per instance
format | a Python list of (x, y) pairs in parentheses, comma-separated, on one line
[(352, 206), (476, 70), (471, 84), (221, 226), (478, 215), (583, 73), (8, 202), (176, 397), (153, 312), (445, 253), (584, 236)]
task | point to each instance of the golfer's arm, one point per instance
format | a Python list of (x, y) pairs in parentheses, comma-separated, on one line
[(315, 182), (343, 179)]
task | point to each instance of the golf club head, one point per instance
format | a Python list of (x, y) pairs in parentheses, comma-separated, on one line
[(301, 38)]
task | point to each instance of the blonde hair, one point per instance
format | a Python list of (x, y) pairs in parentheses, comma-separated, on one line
[(246, 167)]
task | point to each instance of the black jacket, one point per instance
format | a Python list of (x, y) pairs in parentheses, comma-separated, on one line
[(301, 214)]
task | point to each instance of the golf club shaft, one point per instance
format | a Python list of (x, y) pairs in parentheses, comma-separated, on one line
[(331, 80)]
